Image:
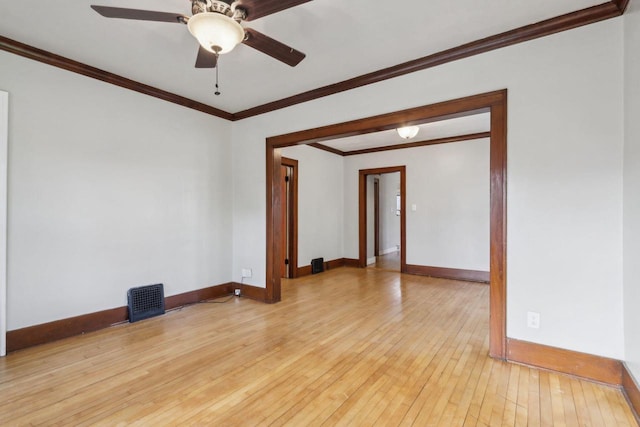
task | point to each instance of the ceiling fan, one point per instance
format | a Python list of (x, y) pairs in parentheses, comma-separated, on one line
[(216, 25)]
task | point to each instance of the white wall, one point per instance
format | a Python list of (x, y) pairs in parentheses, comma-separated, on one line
[(449, 184), (564, 175), (320, 201), (632, 188), (389, 221), (4, 130), (370, 199), (108, 189)]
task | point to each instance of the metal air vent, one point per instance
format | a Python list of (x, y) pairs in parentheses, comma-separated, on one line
[(145, 302)]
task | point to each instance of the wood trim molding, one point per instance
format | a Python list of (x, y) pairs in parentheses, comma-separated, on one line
[(426, 142), (52, 331), (496, 103), (607, 10), (49, 58), (198, 295), (327, 148), (621, 5), (305, 270), (351, 262), (522, 34), (64, 328), (631, 391), (449, 273), (498, 229), (251, 292), (334, 263), (596, 368)]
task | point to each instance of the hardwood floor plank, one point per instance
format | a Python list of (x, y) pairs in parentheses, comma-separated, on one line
[(533, 402), (345, 347), (582, 411), (592, 404)]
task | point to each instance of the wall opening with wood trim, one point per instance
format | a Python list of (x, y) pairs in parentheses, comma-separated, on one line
[(493, 102)]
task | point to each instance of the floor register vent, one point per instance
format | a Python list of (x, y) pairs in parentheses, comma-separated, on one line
[(317, 265), (145, 302)]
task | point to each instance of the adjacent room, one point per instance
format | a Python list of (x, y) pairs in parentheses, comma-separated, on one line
[(343, 213)]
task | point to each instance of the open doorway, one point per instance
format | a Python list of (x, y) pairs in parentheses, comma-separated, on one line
[(373, 242), (383, 221), (494, 103), (289, 192)]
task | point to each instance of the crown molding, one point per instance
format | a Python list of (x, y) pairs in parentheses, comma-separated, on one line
[(55, 60), (621, 5), (423, 143), (522, 34), (601, 12)]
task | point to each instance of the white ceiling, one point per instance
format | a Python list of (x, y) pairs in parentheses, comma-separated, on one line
[(342, 39), (428, 131)]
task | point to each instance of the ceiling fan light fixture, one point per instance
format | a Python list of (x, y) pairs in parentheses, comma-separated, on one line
[(216, 32), (408, 132)]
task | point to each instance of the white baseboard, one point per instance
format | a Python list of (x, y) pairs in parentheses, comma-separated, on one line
[(371, 260), (389, 250)]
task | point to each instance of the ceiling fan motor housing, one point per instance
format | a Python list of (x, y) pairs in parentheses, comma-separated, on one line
[(218, 6)]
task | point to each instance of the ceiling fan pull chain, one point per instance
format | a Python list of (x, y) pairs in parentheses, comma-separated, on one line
[(217, 92)]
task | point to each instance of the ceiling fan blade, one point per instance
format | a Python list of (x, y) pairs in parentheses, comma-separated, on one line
[(273, 48), (206, 59), (142, 15), (258, 8)]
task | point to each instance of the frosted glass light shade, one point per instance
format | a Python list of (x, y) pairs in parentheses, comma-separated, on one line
[(215, 31), (408, 132)]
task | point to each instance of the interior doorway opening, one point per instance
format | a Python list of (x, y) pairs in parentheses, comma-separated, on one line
[(369, 233), (494, 103), (289, 225), (383, 221)]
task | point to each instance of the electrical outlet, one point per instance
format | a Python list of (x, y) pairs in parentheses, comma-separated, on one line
[(246, 272), (533, 319), (236, 292)]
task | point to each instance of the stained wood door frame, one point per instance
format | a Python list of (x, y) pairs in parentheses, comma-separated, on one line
[(293, 217), (362, 213), (376, 217), (492, 102)]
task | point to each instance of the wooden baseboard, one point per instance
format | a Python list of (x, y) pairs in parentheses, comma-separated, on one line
[(64, 328), (334, 263), (305, 270), (198, 295), (589, 366), (449, 273), (52, 331), (251, 292), (631, 391), (351, 262)]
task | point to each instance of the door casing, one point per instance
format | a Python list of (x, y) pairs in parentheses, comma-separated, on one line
[(493, 102)]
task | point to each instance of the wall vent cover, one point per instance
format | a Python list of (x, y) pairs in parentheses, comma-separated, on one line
[(317, 265), (145, 302)]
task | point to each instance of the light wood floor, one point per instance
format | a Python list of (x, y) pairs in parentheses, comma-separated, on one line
[(348, 346), (389, 262)]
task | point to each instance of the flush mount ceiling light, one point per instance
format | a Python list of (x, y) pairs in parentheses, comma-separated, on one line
[(408, 132)]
